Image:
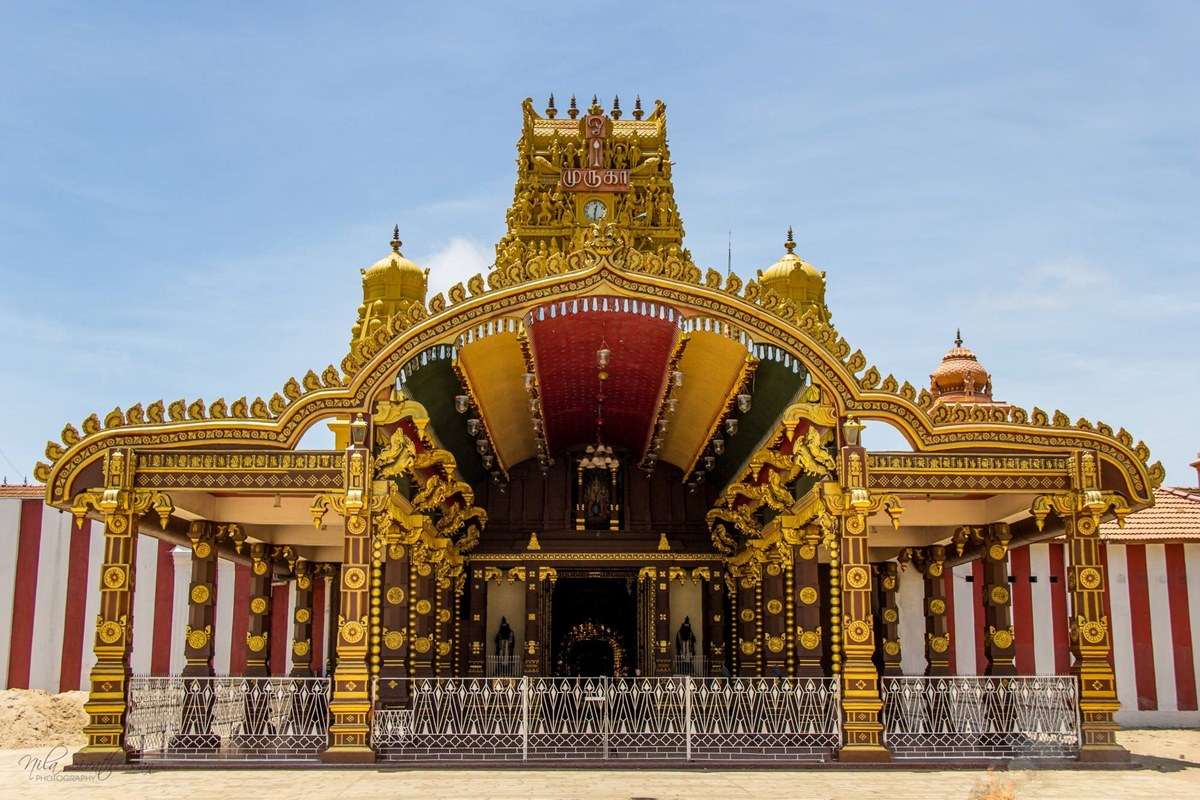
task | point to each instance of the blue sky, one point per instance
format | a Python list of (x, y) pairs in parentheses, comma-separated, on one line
[(188, 191)]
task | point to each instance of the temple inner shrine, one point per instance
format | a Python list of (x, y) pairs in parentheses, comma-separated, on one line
[(601, 503)]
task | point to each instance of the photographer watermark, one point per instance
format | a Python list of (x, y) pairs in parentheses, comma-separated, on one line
[(48, 768)]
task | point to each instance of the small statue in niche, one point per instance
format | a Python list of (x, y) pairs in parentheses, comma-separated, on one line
[(506, 640), (685, 640), (596, 499)]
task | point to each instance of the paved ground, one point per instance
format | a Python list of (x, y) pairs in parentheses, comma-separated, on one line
[(1168, 767)]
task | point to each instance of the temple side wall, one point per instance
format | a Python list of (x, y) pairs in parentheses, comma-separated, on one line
[(48, 602)]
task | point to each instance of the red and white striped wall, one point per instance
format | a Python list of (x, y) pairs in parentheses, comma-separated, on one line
[(49, 596), (1154, 618)]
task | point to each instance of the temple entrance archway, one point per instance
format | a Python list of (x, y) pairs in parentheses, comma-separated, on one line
[(589, 650), (594, 626)]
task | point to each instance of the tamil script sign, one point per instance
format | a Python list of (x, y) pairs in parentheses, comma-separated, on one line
[(586, 179)]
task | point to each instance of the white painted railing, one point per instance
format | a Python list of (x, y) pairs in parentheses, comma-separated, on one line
[(979, 717), (227, 719), (683, 718)]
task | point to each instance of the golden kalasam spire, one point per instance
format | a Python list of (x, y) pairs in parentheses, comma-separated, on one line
[(391, 285), (795, 280)]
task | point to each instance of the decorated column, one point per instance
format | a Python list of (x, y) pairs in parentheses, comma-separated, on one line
[(714, 620), (198, 633), (808, 644), (350, 705), (121, 506), (258, 626), (749, 623), (1087, 580), (999, 642), (663, 644), (888, 627), (531, 653), (257, 702), (849, 502), (422, 593), (774, 618), (932, 563), (393, 686), (196, 728), (444, 625), (302, 620), (477, 624)]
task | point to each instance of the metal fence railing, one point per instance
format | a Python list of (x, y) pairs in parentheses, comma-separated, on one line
[(227, 719), (547, 719), (974, 717)]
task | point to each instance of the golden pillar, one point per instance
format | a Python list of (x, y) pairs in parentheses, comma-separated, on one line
[(350, 704), (999, 642), (444, 627), (198, 634), (393, 673), (849, 503), (663, 644), (774, 610), (258, 628), (196, 733), (888, 628), (302, 619), (932, 563), (537, 628), (806, 595), (422, 586), (1087, 580), (746, 589), (477, 624), (121, 506), (714, 620)]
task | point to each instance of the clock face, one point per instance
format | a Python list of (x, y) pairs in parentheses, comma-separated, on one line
[(595, 210)]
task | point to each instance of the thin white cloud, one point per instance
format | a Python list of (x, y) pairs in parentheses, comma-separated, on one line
[(1055, 285), (1063, 285), (457, 261)]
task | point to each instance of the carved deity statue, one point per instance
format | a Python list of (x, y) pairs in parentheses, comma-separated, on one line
[(685, 640), (506, 640)]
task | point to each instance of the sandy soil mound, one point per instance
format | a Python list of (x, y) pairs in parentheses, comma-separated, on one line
[(34, 717)]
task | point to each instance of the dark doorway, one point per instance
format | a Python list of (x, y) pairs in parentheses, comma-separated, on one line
[(594, 626)]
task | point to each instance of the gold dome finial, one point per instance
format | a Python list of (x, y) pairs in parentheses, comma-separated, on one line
[(795, 280), (616, 109), (637, 107), (551, 111), (573, 109), (391, 285), (958, 337)]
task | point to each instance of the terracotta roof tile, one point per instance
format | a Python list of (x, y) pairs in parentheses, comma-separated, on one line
[(23, 490), (1174, 517)]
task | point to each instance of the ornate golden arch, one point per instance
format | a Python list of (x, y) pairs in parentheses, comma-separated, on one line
[(605, 263)]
